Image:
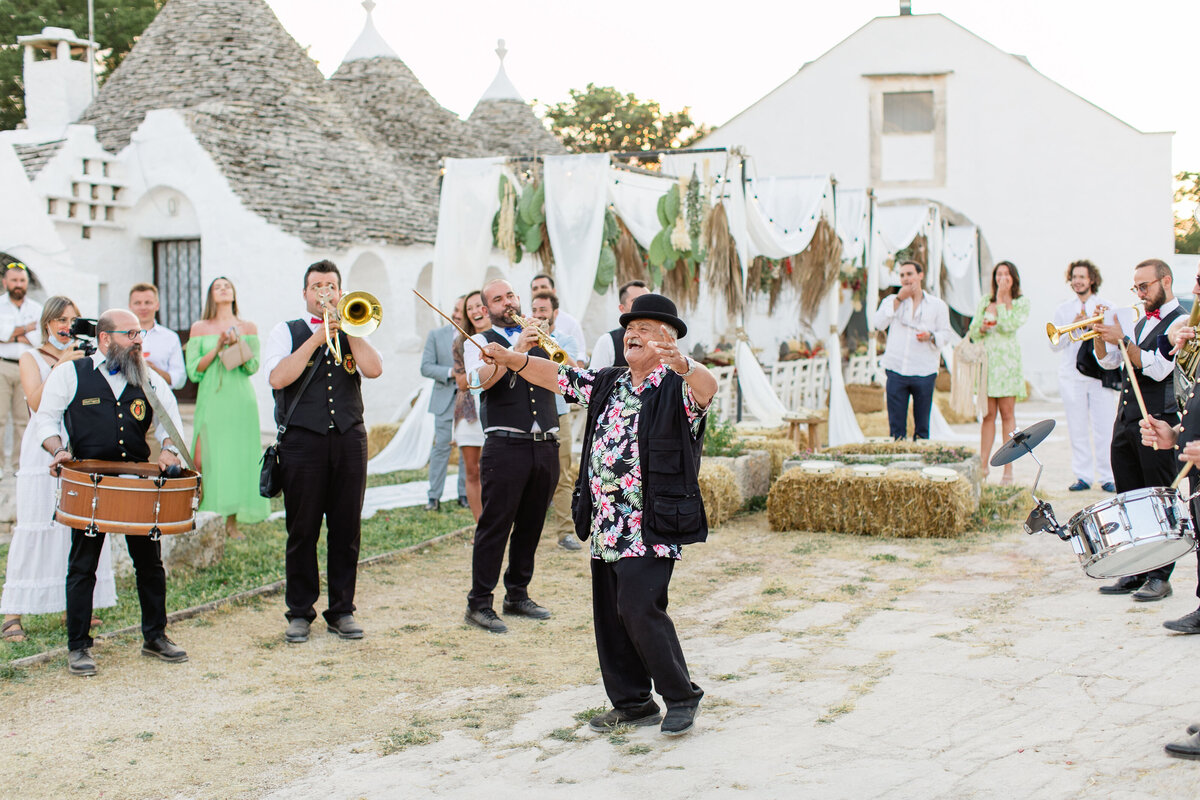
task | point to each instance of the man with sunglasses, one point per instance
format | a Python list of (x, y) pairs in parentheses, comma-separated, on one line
[(1135, 465), (18, 332), (102, 404)]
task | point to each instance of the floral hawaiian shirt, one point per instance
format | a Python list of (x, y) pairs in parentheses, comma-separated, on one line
[(615, 469)]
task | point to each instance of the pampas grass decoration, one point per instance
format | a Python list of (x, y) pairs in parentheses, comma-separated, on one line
[(631, 264), (681, 286), (817, 268), (506, 235), (724, 269), (544, 253)]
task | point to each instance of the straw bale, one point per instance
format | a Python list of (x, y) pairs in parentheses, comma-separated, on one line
[(865, 398), (898, 503), (953, 417), (780, 450), (378, 437), (719, 489)]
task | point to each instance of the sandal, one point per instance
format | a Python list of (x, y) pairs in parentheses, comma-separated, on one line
[(11, 630)]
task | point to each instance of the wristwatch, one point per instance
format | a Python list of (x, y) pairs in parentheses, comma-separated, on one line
[(172, 449), (691, 362)]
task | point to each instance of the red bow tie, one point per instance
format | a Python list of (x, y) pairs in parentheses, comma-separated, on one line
[(1153, 314), (319, 321)]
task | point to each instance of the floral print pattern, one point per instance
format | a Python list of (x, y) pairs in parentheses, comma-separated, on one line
[(614, 463)]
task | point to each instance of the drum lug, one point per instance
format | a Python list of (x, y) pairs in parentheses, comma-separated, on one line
[(155, 534), (96, 478), (91, 531)]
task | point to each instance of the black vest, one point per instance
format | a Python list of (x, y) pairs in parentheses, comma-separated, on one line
[(333, 395), (1159, 396), (672, 508), (514, 402), (618, 340), (106, 427)]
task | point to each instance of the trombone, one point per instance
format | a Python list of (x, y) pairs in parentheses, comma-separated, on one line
[(359, 314), (545, 341)]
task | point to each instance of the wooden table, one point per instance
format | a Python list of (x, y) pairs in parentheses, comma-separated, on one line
[(796, 434)]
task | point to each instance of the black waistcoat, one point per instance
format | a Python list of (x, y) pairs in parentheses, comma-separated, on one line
[(1159, 396), (618, 340), (672, 508), (514, 402), (106, 427), (334, 394)]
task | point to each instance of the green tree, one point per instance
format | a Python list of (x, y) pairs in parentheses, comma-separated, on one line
[(118, 25), (599, 119), (1187, 230)]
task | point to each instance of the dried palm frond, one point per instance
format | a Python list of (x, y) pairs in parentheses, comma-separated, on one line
[(631, 261), (506, 236), (816, 269), (724, 268), (544, 253), (681, 285)]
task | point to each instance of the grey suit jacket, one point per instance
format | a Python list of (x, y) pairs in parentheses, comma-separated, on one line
[(436, 362)]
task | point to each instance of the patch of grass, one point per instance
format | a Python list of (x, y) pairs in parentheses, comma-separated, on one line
[(849, 588), (637, 750), (742, 568), (145, 736), (588, 713), (563, 734), (11, 674), (730, 676), (884, 557), (834, 712), (399, 476), (998, 505), (774, 590), (399, 740), (720, 439), (755, 504), (619, 735)]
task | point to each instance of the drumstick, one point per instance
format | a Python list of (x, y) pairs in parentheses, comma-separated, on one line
[(1137, 390), (466, 335), (1182, 473)]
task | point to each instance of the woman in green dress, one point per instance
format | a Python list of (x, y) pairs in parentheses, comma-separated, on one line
[(995, 324), (227, 442)]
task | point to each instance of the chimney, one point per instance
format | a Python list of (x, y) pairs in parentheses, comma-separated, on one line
[(58, 77), (906, 8)]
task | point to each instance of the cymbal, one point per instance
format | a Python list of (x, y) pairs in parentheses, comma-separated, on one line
[(1022, 441)]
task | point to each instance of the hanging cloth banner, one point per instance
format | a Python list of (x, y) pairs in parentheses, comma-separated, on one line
[(635, 198), (933, 251), (894, 229), (843, 425), (576, 197), (960, 255), (757, 395), (782, 213), (409, 447), (853, 221), (470, 199)]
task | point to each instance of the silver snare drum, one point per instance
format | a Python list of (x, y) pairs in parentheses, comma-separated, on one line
[(1131, 533)]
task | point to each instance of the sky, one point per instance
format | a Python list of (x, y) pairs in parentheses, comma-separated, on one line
[(720, 56)]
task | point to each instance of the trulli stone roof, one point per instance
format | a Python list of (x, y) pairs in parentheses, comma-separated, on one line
[(35, 156), (505, 123)]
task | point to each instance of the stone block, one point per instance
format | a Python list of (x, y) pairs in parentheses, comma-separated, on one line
[(752, 470)]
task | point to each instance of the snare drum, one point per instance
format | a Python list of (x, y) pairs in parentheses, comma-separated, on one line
[(126, 497), (1132, 533)]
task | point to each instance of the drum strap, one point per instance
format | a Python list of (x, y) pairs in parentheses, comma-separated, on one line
[(176, 438)]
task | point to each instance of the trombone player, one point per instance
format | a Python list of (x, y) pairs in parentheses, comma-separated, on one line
[(1089, 405), (323, 453)]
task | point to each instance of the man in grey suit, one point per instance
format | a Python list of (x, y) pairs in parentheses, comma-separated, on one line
[(437, 362)]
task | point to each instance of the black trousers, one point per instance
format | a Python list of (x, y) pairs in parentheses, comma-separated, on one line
[(635, 639), (1137, 467), (324, 477), (517, 479), (81, 581)]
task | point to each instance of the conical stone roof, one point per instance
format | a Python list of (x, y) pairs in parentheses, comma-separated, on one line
[(506, 124)]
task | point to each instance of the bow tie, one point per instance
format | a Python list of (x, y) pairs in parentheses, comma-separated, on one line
[(512, 330), (113, 370), (1153, 314), (316, 320)]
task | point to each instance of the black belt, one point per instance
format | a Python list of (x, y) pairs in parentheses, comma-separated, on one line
[(10, 360), (536, 436)]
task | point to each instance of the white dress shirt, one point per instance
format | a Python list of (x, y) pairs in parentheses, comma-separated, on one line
[(161, 347), (905, 354), (29, 313), (279, 344), (603, 354), (565, 323), (59, 391), (1154, 365), (1068, 350), (473, 361)]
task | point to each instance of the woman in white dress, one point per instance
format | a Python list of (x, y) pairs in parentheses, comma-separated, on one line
[(468, 432), (36, 578)]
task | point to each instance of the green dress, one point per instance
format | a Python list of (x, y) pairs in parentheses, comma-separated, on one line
[(226, 432), (1005, 377)]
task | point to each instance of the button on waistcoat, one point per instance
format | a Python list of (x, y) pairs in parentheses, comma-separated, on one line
[(332, 399)]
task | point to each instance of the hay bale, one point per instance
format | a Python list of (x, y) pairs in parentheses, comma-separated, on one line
[(751, 470), (780, 450), (866, 398), (898, 503), (378, 437), (719, 489), (953, 417)]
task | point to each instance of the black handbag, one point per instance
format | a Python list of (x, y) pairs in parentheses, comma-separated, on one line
[(270, 481), (1086, 364)]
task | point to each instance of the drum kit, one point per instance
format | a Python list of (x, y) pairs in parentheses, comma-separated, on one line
[(125, 497), (1128, 534)]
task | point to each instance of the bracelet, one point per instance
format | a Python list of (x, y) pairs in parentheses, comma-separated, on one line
[(523, 366), (59, 450), (691, 367)]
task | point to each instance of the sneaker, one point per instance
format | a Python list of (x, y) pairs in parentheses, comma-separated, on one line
[(638, 717), (1079, 486), (679, 720), (163, 648), (80, 662), (345, 627), (525, 608), (1109, 487), (486, 618), (570, 542), (297, 631)]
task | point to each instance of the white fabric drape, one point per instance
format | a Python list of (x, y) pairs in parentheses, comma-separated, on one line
[(635, 197), (853, 221), (757, 395), (933, 239), (893, 229), (576, 197), (409, 448), (960, 255), (843, 425), (782, 213), (470, 199)]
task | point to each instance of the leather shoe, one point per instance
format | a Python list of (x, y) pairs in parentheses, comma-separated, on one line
[(641, 716), (1109, 487), (485, 618), (1079, 486), (1125, 585), (1193, 728), (80, 662), (525, 608), (464, 502), (1155, 589), (1188, 748), (165, 649), (1187, 624), (570, 542), (679, 720), (433, 505), (297, 631), (345, 627)]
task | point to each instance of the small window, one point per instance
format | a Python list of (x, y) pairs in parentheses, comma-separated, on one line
[(104, 170), (86, 166), (109, 214), (85, 232), (95, 192), (74, 190), (908, 112), (116, 191), (70, 210), (51, 206)]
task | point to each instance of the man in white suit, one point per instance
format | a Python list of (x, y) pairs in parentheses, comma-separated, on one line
[(437, 362)]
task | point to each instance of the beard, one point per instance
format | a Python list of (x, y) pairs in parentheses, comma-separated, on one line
[(504, 320), (17, 293), (128, 361)]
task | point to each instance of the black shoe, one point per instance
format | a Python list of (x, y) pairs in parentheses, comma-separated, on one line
[(525, 608), (486, 618), (164, 648), (297, 631), (433, 505), (345, 627), (1125, 585), (80, 662), (679, 720), (570, 542), (1188, 624), (638, 717), (464, 502), (1188, 748), (1155, 589), (1079, 485), (1193, 728)]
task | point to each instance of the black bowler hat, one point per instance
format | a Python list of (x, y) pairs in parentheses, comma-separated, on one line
[(657, 307)]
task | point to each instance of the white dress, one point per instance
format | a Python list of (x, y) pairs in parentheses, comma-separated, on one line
[(36, 579)]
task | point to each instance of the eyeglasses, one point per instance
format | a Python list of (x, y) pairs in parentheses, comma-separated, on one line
[(1140, 288), (136, 333)]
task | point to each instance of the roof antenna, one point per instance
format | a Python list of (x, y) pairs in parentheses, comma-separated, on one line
[(501, 50), (906, 8)]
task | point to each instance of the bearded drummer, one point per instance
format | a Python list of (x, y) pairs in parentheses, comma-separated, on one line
[(101, 403)]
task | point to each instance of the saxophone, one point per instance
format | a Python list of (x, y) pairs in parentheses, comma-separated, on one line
[(1187, 360)]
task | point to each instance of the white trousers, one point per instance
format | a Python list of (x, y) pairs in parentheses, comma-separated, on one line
[(1091, 410)]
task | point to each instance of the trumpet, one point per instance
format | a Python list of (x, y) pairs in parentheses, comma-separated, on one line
[(1074, 331), (359, 314), (545, 341)]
